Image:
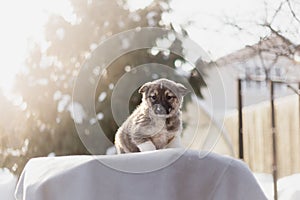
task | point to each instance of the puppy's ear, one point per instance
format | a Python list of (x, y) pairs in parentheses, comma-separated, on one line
[(182, 90), (144, 88)]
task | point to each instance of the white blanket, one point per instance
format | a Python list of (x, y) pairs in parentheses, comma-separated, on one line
[(171, 174)]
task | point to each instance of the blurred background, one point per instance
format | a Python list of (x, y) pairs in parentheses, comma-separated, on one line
[(44, 43)]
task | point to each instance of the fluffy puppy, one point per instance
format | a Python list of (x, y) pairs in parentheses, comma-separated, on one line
[(156, 123)]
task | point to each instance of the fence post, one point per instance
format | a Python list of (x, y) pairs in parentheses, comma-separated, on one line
[(273, 140), (299, 103), (240, 118)]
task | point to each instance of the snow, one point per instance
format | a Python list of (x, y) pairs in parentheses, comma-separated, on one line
[(7, 184), (266, 183), (288, 187), (77, 112)]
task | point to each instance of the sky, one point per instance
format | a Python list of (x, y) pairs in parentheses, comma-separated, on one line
[(22, 21), (209, 31)]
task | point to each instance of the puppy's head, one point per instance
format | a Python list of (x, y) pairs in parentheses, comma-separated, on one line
[(164, 97)]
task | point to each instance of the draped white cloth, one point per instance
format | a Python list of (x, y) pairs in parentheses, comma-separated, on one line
[(171, 174)]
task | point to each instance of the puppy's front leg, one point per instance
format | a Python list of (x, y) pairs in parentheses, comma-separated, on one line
[(146, 146), (175, 143)]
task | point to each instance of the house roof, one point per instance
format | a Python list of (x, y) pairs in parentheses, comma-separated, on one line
[(272, 45), (223, 95)]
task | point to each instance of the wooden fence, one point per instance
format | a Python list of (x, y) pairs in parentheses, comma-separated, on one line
[(257, 135)]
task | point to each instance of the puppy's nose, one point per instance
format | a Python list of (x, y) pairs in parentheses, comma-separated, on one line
[(159, 109)]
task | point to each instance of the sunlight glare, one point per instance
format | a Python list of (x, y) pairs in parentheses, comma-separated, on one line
[(24, 21), (138, 4)]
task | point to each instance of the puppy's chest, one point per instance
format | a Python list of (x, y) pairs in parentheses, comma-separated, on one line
[(167, 131)]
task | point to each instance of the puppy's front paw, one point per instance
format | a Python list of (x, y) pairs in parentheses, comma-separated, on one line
[(146, 146)]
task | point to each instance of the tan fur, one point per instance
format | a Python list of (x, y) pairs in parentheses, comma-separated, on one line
[(145, 125)]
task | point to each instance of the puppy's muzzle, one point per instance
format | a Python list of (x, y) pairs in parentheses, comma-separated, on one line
[(159, 109)]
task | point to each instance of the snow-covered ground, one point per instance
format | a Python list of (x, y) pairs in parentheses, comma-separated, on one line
[(288, 187), (7, 184)]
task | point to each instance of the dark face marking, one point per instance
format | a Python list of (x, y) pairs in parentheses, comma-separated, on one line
[(163, 101)]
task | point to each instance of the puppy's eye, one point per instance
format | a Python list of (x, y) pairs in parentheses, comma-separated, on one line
[(169, 97), (153, 97)]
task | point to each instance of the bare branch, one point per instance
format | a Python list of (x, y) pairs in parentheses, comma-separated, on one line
[(274, 46), (262, 59), (236, 25), (274, 62), (276, 12), (277, 33), (292, 11)]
